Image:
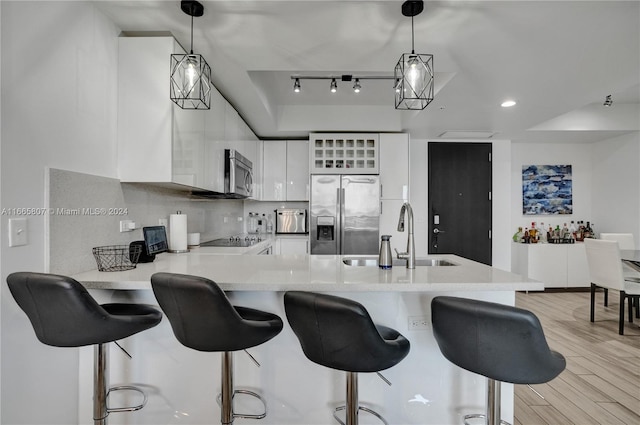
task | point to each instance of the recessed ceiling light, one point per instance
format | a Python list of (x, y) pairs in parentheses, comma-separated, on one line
[(508, 103)]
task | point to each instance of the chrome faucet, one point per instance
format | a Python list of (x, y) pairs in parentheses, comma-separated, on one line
[(410, 255)]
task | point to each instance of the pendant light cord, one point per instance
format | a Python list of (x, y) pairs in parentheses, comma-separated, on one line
[(412, 44), (192, 33)]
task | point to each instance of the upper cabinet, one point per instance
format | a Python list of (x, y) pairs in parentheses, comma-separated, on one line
[(297, 170), (158, 142), (285, 170), (274, 174), (394, 165)]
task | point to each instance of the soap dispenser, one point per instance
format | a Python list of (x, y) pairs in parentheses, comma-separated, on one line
[(385, 258)]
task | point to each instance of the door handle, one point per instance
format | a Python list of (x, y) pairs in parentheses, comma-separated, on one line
[(436, 231)]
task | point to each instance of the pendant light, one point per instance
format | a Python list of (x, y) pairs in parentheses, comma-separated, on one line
[(414, 72), (190, 74)]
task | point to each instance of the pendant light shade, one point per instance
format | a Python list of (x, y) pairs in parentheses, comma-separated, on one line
[(413, 73), (414, 76), (190, 83)]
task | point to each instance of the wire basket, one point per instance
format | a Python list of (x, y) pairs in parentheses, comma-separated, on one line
[(116, 258)]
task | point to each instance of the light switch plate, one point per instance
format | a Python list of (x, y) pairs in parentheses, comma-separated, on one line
[(17, 231)]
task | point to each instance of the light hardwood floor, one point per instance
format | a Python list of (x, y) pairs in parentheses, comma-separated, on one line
[(601, 384)]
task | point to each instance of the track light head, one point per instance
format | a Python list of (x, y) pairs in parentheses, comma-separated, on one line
[(357, 86), (608, 101), (334, 85), (296, 86)]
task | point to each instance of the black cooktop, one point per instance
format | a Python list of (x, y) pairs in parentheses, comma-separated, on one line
[(234, 241)]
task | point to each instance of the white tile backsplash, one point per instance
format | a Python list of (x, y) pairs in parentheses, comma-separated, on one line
[(87, 209)]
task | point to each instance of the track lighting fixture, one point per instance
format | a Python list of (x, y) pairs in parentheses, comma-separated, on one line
[(608, 101), (357, 86), (190, 81), (414, 71)]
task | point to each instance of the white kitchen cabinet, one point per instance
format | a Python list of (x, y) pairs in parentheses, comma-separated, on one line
[(231, 126), (157, 141), (285, 170), (292, 245), (214, 146), (274, 174), (297, 170), (394, 165), (556, 265)]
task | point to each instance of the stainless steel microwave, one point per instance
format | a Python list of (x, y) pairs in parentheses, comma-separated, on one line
[(238, 175)]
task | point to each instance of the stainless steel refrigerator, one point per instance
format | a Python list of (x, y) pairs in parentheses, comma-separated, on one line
[(344, 214)]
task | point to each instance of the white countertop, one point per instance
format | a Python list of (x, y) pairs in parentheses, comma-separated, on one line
[(311, 273)]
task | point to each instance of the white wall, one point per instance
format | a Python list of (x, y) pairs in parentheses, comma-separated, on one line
[(616, 185), (606, 182), (578, 155), (59, 63)]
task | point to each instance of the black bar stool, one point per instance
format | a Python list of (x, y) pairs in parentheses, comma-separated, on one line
[(339, 334), (64, 314), (500, 342), (202, 318)]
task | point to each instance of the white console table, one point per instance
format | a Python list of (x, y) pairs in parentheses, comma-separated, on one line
[(556, 265)]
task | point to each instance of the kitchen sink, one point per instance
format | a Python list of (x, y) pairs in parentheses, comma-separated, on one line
[(373, 262)]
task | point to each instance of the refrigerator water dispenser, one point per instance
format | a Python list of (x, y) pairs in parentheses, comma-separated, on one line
[(326, 228)]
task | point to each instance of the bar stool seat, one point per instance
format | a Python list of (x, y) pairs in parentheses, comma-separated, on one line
[(338, 333), (64, 314), (500, 342), (202, 318)]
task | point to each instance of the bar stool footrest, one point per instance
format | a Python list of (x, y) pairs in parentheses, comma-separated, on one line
[(480, 416), (365, 409), (126, 408), (246, 415)]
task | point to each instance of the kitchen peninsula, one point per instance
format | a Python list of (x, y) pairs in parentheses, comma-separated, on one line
[(426, 388)]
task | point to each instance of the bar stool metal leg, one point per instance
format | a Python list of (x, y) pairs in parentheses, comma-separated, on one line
[(493, 402), (100, 384), (493, 406), (227, 393), (101, 388), (226, 402), (352, 398), (352, 406)]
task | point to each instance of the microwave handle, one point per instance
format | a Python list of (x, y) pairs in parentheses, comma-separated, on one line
[(248, 182)]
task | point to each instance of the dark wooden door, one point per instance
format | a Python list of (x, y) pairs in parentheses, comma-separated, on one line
[(460, 200)]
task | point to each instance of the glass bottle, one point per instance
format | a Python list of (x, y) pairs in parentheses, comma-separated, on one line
[(250, 223), (269, 224), (517, 236), (259, 224), (542, 234), (533, 233)]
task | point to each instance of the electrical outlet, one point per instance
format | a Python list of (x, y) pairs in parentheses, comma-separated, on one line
[(127, 225), (419, 323)]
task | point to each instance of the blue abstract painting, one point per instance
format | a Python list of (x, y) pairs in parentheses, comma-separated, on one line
[(546, 189)]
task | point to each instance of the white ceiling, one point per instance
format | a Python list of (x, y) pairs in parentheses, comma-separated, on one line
[(557, 59)]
